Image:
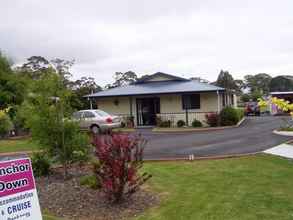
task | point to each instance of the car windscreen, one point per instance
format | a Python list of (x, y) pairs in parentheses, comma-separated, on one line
[(102, 113)]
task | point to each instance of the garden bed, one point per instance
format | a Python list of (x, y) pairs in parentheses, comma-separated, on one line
[(70, 200), (193, 129), (124, 130)]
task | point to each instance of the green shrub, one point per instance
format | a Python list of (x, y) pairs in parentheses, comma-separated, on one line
[(229, 116), (90, 181), (81, 156), (96, 165), (196, 123), (180, 123), (163, 123), (41, 164), (5, 124), (240, 113)]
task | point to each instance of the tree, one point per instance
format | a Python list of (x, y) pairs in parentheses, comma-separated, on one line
[(80, 88), (12, 87), (62, 67), (281, 84), (240, 86), (258, 83), (46, 111), (122, 79), (5, 123), (225, 80), (34, 67)]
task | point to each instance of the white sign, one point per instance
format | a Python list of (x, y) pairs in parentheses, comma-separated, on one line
[(18, 194)]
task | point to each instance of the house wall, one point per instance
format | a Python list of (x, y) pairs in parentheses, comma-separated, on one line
[(170, 107), (171, 104), (115, 106)]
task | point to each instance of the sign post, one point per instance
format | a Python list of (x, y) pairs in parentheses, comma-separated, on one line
[(18, 194)]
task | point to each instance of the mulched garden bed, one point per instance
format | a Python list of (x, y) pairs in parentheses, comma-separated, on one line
[(70, 200)]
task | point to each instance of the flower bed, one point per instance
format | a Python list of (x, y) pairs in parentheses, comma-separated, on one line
[(69, 199)]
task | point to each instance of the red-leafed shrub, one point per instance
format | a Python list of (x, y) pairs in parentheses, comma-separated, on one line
[(213, 119), (120, 156)]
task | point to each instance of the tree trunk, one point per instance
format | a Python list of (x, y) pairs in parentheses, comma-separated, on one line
[(65, 170)]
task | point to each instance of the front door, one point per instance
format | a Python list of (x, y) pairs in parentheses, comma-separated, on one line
[(147, 108)]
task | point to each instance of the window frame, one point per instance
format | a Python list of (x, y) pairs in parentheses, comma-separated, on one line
[(195, 104), (88, 112)]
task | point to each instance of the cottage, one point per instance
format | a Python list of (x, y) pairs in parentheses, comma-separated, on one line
[(166, 97)]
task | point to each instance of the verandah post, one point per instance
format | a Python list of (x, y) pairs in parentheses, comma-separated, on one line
[(130, 106), (186, 116)]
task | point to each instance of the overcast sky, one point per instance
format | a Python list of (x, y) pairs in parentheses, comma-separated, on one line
[(183, 37)]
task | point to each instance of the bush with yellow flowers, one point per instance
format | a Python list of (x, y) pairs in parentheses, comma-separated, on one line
[(282, 104), (5, 123)]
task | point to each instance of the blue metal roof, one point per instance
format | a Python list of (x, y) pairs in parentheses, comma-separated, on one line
[(159, 87)]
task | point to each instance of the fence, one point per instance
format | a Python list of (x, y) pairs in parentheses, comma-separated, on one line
[(188, 117)]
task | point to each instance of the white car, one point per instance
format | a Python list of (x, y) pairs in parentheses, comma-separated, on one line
[(96, 120)]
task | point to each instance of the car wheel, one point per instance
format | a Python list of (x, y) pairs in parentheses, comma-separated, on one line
[(95, 129)]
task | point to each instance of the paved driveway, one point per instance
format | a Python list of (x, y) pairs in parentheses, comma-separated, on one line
[(254, 135)]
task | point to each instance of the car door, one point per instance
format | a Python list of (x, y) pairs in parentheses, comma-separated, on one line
[(77, 116), (88, 118), (82, 121)]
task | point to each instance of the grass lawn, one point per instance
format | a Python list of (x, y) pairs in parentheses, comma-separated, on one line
[(255, 187), (258, 187), (17, 145)]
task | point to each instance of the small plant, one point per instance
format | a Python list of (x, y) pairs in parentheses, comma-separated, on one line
[(81, 156), (196, 123), (130, 122), (229, 116), (120, 156), (123, 124), (180, 123), (212, 119), (41, 164), (163, 123), (90, 181)]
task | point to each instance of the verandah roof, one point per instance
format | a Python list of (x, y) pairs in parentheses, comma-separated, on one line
[(159, 87)]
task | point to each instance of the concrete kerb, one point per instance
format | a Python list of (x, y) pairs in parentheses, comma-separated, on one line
[(283, 133)]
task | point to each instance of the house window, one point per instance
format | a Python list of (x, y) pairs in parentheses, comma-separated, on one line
[(232, 100), (224, 100), (191, 101)]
